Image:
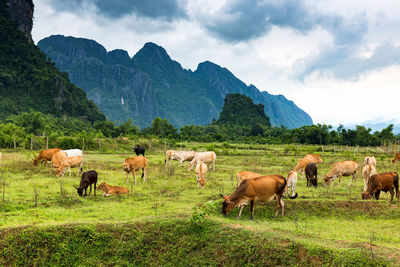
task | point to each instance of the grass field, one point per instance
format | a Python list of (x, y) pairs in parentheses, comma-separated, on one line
[(329, 225)]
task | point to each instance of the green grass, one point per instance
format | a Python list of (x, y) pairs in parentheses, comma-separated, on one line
[(329, 225)]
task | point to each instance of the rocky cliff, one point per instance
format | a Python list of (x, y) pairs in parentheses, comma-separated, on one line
[(22, 12), (152, 84)]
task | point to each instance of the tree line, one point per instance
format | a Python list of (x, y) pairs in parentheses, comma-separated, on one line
[(17, 130)]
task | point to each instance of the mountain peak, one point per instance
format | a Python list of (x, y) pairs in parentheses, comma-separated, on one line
[(151, 50)]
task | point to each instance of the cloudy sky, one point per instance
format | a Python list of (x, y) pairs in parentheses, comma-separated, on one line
[(338, 60)]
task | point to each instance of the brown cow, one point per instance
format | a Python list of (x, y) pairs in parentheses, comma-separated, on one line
[(69, 163), (135, 164), (201, 172), (109, 190), (243, 175), (45, 155), (309, 158), (396, 158), (382, 182), (58, 158), (342, 168), (262, 188)]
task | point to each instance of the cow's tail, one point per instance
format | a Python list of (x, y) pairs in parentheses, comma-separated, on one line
[(282, 189), (396, 184)]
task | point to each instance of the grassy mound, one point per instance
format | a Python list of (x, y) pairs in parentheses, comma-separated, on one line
[(166, 242)]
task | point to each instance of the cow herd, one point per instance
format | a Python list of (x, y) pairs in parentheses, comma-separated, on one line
[(250, 186)]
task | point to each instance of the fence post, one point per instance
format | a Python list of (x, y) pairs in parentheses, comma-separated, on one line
[(47, 142), (15, 144), (83, 144), (31, 143)]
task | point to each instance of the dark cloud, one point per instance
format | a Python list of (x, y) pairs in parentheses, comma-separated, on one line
[(241, 20), (167, 10)]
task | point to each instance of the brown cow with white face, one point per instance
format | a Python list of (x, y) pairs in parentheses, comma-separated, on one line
[(342, 168), (382, 182)]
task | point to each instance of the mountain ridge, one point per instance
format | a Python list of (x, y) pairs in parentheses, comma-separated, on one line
[(151, 84)]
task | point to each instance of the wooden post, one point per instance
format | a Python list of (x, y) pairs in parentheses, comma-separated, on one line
[(31, 143), (83, 144), (99, 144), (165, 145), (15, 144), (47, 142)]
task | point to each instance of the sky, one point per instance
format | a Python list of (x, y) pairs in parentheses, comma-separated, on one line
[(337, 60)]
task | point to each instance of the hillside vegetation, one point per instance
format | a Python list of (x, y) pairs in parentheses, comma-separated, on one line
[(28, 81), (151, 84)]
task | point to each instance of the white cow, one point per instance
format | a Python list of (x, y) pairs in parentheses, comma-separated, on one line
[(370, 160), (205, 157), (182, 156), (201, 172), (367, 171), (73, 152)]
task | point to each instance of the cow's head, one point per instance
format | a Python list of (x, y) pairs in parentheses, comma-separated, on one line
[(227, 205), (190, 166), (34, 162), (101, 186), (79, 190), (366, 195), (314, 181), (327, 180), (59, 172), (202, 182)]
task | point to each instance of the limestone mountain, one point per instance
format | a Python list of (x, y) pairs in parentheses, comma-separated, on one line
[(28, 81), (151, 85)]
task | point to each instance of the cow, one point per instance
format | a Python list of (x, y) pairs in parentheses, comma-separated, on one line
[(312, 174), (396, 158), (168, 156), (87, 179), (382, 182), (182, 156), (138, 149), (73, 152), (367, 171), (262, 188), (243, 175), (205, 157), (342, 168), (58, 158), (201, 172), (303, 162), (135, 164), (370, 160), (109, 190), (68, 163), (45, 155)]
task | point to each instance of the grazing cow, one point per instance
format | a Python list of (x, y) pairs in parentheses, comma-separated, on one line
[(182, 156), (87, 179), (69, 163), (73, 152), (367, 171), (201, 172), (109, 190), (382, 182), (138, 149), (168, 156), (262, 188), (243, 175), (309, 158), (58, 158), (135, 164), (396, 158), (342, 168), (45, 155), (370, 160), (312, 174), (205, 157)]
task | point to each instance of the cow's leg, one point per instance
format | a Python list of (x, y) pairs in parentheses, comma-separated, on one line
[(252, 209), (307, 181), (278, 204), (85, 192), (198, 180), (127, 177), (144, 174), (240, 211), (69, 169), (377, 193), (365, 183), (134, 174), (391, 194), (95, 188), (282, 206), (340, 177), (90, 190)]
